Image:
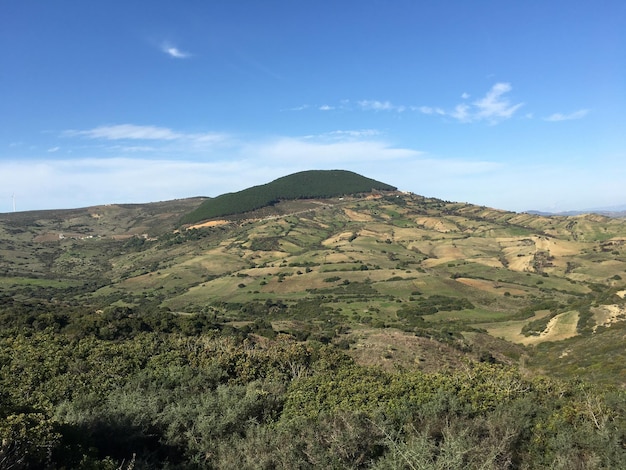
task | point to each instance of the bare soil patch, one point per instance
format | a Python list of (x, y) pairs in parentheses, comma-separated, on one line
[(443, 254), (212, 223), (491, 262), (357, 216), (436, 224), (520, 263), (344, 236), (606, 315)]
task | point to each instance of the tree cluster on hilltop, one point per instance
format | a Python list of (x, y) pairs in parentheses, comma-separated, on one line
[(303, 185)]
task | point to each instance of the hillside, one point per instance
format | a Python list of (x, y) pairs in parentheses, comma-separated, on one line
[(319, 184), (354, 331), (386, 260)]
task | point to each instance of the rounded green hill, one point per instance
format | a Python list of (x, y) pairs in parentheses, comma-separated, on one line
[(302, 185)]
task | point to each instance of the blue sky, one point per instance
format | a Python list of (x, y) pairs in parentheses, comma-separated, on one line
[(516, 105)]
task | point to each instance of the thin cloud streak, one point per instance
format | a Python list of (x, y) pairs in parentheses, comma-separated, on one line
[(431, 110), (135, 132), (126, 131), (556, 117), (374, 105)]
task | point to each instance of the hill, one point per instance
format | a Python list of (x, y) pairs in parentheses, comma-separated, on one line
[(424, 266), (342, 332), (303, 185)]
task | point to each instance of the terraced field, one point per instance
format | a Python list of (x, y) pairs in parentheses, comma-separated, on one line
[(390, 260)]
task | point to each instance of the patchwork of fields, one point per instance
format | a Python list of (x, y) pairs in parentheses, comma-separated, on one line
[(396, 261)]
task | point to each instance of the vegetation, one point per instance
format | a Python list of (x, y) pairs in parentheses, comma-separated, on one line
[(173, 400), (304, 185), (377, 330)]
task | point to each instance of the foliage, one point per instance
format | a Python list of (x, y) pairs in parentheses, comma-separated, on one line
[(165, 400), (433, 304), (306, 184)]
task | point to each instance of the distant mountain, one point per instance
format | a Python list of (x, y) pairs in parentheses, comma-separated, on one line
[(615, 211), (302, 185)]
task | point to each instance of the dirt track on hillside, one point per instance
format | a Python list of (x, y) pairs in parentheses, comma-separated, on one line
[(212, 223)]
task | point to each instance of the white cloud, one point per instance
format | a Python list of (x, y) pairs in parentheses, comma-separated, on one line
[(462, 113), (133, 148), (174, 52), (54, 149), (581, 113), (126, 131), (495, 106), (354, 134), (134, 132), (374, 105), (431, 110), (298, 108), (309, 153)]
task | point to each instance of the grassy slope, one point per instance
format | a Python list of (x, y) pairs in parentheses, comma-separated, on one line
[(363, 258)]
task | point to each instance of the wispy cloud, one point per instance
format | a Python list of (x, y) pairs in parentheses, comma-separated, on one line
[(462, 113), (431, 110), (126, 131), (374, 105), (312, 152), (135, 132), (173, 51), (302, 107), (581, 113), (493, 107), (354, 134)]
